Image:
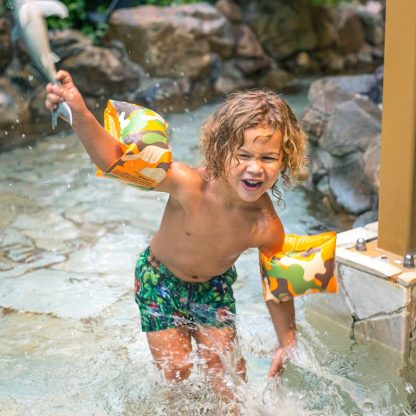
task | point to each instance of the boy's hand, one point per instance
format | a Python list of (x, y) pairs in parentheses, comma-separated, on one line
[(66, 91), (280, 357)]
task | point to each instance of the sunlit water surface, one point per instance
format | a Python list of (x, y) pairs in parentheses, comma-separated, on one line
[(70, 336)]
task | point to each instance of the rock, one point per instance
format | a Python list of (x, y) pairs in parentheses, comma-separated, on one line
[(314, 123), (98, 72), (324, 97), (283, 28), (350, 129), (350, 31), (277, 80), (230, 10), (374, 26), (371, 163), (352, 84), (164, 94), (173, 41), (231, 77), (324, 27), (329, 61), (375, 93), (365, 218), (68, 42), (349, 191), (252, 66), (247, 44), (6, 52), (364, 58), (321, 161)]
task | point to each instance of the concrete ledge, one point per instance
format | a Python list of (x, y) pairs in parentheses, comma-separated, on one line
[(377, 298)]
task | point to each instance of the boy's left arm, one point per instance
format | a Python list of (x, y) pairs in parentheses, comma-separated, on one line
[(283, 317), (282, 314)]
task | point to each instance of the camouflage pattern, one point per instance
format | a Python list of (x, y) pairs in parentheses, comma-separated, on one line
[(143, 136), (306, 264), (166, 301)]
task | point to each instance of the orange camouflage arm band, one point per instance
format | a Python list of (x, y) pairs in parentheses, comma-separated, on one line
[(143, 136), (306, 264)]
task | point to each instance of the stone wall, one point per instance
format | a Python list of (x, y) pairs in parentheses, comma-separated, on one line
[(174, 58), (343, 121)]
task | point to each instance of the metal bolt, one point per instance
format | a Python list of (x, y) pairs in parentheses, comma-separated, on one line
[(360, 244), (409, 261)]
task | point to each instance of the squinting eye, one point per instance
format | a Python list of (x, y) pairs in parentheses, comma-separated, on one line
[(269, 159), (243, 156)]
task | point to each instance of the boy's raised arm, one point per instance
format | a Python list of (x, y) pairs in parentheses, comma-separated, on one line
[(99, 144), (133, 149)]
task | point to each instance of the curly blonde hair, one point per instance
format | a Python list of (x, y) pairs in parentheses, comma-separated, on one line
[(222, 132)]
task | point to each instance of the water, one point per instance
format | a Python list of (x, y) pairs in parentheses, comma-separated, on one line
[(69, 328)]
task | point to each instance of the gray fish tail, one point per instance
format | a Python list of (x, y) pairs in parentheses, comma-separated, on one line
[(62, 111)]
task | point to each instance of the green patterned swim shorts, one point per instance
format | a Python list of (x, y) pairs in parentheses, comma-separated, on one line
[(166, 301)]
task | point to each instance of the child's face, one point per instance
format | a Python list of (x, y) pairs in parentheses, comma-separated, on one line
[(258, 163)]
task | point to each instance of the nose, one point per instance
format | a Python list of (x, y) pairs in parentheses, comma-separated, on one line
[(255, 167)]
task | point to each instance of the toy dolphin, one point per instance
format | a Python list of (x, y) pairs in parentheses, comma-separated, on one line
[(31, 27)]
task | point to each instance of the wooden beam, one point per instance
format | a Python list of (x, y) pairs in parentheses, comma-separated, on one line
[(397, 204)]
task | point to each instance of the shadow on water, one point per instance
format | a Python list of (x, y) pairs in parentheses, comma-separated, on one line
[(69, 328)]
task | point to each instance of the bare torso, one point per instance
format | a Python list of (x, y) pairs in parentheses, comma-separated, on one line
[(203, 231)]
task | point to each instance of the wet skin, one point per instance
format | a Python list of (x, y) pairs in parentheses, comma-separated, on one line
[(208, 224)]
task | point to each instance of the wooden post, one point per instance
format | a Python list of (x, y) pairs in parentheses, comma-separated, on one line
[(397, 204)]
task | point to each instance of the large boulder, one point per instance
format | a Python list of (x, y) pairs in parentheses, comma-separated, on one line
[(350, 34), (371, 163), (324, 99), (345, 127), (353, 84), (282, 27), (98, 72), (374, 26), (350, 129), (349, 190), (230, 10), (174, 41)]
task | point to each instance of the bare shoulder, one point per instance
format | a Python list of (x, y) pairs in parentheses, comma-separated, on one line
[(181, 180), (270, 233)]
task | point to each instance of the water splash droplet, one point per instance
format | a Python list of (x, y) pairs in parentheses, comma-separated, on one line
[(409, 388)]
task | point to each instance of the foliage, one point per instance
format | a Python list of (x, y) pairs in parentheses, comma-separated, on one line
[(79, 19)]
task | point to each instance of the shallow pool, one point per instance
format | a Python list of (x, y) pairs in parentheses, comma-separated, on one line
[(69, 328)]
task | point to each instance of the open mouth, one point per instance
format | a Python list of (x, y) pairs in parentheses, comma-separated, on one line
[(252, 184)]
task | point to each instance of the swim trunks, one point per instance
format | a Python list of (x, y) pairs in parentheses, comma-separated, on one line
[(165, 301)]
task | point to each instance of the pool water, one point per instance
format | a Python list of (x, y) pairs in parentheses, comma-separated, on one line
[(69, 328)]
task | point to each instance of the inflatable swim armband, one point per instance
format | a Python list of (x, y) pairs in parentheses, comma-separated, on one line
[(143, 137), (306, 264)]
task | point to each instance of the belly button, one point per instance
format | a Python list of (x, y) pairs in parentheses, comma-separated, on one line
[(194, 277), (188, 234)]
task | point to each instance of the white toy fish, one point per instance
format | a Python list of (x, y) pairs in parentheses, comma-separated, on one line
[(31, 27)]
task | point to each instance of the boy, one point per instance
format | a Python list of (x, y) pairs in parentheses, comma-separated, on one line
[(214, 213)]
